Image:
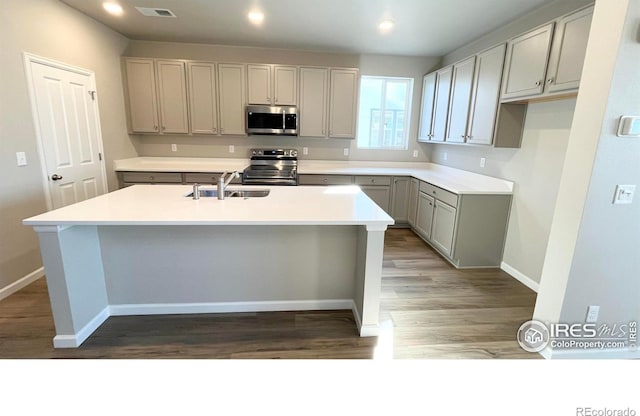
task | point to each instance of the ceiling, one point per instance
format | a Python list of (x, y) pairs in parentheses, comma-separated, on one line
[(422, 27)]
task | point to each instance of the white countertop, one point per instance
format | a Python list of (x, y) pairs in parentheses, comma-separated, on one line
[(168, 205), (454, 180)]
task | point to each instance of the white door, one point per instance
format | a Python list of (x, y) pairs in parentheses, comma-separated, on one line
[(64, 103)]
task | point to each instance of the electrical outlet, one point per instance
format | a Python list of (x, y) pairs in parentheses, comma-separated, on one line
[(415, 153), (346, 151), (592, 313), (445, 156), (305, 150), (174, 147), (21, 158), (232, 148), (483, 162)]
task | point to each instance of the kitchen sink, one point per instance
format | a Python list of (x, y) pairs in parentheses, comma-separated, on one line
[(232, 193)]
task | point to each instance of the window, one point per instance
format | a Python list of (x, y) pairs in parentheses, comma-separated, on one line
[(385, 109)]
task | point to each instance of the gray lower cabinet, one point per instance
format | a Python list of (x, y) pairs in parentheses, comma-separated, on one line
[(424, 215), (443, 227), (325, 179), (400, 199), (412, 203), (469, 229), (132, 178)]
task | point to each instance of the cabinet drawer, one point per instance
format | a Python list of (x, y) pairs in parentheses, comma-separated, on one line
[(325, 180), (211, 177), (439, 193), (152, 177), (373, 180)]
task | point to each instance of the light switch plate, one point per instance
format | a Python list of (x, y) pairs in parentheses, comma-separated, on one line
[(445, 156), (21, 158), (483, 162), (415, 153), (624, 194), (346, 151), (232, 148), (592, 313), (174, 147), (305, 150)]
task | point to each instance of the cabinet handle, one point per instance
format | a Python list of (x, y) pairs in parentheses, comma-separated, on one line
[(550, 81), (151, 178), (538, 83), (155, 128), (463, 136), (163, 128)]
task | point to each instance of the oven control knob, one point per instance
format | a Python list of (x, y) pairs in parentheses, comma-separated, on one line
[(293, 153)]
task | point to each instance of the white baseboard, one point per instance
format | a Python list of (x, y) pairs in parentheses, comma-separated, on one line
[(227, 307), (20, 283), (74, 341), (521, 277)]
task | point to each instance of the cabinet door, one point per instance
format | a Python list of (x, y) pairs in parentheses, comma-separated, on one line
[(201, 78), (400, 199), (172, 91), (343, 98), (460, 99), (143, 101), (285, 85), (312, 106), (231, 82), (526, 63), (424, 216), (379, 194), (486, 95), (444, 222), (259, 84), (412, 209), (426, 107), (568, 51), (443, 88)]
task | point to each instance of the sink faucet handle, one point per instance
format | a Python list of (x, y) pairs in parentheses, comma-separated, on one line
[(196, 191)]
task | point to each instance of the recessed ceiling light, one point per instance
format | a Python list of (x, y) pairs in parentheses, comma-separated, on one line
[(386, 26), (256, 17), (113, 8)]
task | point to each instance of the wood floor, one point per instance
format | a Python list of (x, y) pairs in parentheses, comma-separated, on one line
[(428, 310)]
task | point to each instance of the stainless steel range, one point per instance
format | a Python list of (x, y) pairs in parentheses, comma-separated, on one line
[(272, 167)]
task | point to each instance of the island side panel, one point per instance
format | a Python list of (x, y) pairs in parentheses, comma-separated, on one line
[(369, 278), (229, 268), (75, 279)]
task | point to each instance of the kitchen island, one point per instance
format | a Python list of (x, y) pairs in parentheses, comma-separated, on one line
[(150, 249)]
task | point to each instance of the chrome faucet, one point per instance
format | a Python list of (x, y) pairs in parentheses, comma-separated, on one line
[(222, 183), (196, 191)]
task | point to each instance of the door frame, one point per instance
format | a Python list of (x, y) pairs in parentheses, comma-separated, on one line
[(30, 59)]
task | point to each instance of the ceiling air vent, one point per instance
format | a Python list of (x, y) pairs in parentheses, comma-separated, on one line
[(153, 12)]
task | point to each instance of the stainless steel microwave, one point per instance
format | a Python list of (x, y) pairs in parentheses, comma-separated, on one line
[(279, 121)]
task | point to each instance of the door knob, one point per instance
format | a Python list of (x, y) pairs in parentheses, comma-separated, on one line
[(55, 177)]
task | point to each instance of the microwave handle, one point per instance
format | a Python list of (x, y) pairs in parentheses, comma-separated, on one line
[(284, 123)]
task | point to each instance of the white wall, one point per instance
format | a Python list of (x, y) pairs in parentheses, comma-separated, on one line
[(216, 146), (50, 29), (593, 257)]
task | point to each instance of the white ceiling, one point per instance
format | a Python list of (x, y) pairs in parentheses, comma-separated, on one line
[(423, 27)]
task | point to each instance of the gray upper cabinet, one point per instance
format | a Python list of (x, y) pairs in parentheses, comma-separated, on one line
[(343, 102), (426, 107), (312, 108), (172, 91), (459, 100), (443, 88), (232, 85), (157, 96), (526, 63), (142, 95), (272, 84), (203, 106), (568, 51), (485, 95)]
